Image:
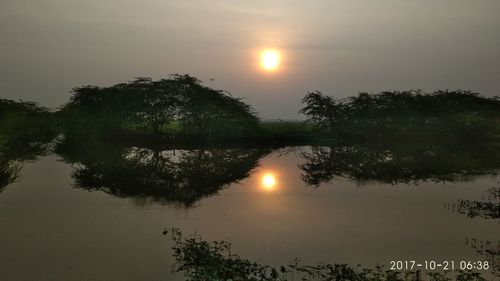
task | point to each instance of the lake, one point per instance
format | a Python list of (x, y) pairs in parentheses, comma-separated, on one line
[(85, 210)]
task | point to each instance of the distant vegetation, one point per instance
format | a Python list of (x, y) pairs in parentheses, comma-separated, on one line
[(408, 114), (23, 118), (180, 109)]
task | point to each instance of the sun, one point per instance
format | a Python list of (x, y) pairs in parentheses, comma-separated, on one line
[(270, 60)]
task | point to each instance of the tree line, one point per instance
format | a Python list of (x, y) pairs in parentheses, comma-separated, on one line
[(181, 108), (415, 114), (23, 118)]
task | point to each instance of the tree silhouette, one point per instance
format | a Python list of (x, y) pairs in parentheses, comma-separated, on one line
[(23, 118), (144, 103), (414, 114), (321, 110), (94, 110), (154, 103)]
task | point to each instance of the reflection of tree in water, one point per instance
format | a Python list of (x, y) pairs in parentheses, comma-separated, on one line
[(9, 172), (398, 163), (167, 176), (488, 209), (489, 250), (16, 150)]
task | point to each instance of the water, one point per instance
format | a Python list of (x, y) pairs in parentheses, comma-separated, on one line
[(90, 211)]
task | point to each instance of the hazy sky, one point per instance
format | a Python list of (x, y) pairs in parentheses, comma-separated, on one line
[(341, 48)]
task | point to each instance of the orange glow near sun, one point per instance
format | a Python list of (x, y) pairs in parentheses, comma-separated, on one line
[(270, 60)]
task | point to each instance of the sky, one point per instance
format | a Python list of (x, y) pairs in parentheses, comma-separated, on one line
[(48, 47)]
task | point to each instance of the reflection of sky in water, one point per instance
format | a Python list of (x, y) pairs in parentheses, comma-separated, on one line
[(95, 235)]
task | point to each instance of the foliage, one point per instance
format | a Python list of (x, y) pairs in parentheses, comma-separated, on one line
[(93, 109), (415, 114), (23, 118), (322, 110), (153, 105), (200, 260), (488, 209), (9, 172), (214, 113), (488, 250)]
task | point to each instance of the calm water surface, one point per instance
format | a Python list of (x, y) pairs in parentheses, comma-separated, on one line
[(97, 213)]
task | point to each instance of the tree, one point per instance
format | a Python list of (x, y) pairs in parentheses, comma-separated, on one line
[(214, 113), (22, 117), (154, 103), (93, 109), (144, 103), (408, 114), (322, 110)]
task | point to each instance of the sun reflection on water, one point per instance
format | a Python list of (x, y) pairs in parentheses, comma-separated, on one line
[(268, 181)]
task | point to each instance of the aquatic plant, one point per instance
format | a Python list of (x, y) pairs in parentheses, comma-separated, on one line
[(488, 209), (201, 260)]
